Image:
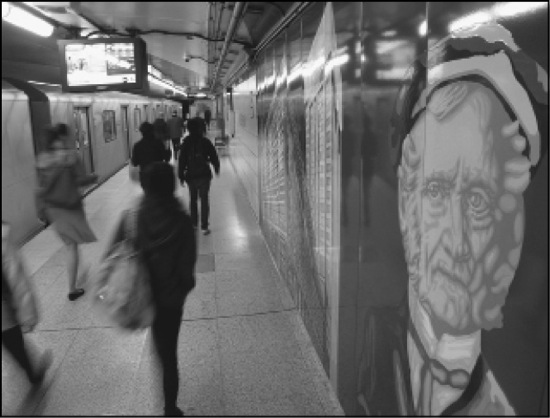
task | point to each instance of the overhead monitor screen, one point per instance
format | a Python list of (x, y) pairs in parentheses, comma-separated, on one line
[(100, 64), (103, 64)]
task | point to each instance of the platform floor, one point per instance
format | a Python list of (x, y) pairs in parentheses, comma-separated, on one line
[(242, 349)]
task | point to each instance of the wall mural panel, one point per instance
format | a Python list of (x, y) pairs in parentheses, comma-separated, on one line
[(404, 196)]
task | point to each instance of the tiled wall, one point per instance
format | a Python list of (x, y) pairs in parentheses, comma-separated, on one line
[(333, 92), (244, 146)]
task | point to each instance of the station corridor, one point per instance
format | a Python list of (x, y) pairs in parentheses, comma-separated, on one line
[(242, 348)]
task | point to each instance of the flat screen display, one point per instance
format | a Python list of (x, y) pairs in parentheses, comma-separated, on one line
[(103, 64)]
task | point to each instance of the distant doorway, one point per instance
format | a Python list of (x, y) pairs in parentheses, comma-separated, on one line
[(126, 129), (83, 137)]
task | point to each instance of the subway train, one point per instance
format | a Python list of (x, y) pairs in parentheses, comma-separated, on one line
[(105, 127)]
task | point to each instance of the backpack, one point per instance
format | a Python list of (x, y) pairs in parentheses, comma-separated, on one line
[(197, 164), (123, 288)]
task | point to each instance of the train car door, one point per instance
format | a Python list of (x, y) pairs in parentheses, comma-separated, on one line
[(126, 129), (83, 137)]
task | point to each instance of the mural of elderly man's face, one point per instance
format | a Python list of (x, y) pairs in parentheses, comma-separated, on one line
[(461, 180)]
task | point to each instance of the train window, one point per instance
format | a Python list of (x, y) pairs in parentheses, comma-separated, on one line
[(109, 125), (137, 118)]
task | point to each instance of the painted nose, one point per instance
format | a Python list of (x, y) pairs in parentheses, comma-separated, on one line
[(460, 246)]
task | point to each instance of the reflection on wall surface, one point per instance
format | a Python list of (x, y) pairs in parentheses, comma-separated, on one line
[(403, 189)]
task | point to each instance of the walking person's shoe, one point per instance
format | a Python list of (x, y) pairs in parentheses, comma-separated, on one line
[(173, 412), (205, 231), (76, 294)]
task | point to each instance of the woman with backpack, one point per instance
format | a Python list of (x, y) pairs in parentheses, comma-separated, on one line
[(165, 239), (60, 173)]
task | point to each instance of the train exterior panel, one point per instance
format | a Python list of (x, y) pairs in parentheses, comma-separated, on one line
[(105, 127), (18, 162)]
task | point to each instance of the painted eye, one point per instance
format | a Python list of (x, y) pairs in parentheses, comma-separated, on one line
[(478, 201), (434, 190)]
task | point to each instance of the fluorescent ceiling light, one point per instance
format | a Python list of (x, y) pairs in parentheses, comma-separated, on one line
[(499, 11), (516, 8), (423, 28), (40, 83), (26, 20)]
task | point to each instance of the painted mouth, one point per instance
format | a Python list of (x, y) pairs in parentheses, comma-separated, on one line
[(462, 277)]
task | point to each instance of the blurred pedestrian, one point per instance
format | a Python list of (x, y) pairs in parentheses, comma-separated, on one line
[(166, 240), (176, 128), (60, 173), (162, 133), (147, 150), (19, 311), (197, 153), (207, 117)]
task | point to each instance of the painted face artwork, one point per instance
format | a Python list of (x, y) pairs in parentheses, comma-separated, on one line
[(462, 176)]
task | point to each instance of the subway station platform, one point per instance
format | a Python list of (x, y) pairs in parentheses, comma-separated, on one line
[(242, 348)]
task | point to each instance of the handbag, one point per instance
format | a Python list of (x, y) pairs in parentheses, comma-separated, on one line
[(123, 284), (133, 171)]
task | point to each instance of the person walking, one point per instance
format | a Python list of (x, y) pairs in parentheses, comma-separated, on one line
[(207, 117), (166, 240), (176, 128), (162, 133), (19, 311), (148, 149), (60, 173), (197, 153)]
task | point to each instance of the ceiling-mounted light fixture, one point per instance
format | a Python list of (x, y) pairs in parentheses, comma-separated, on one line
[(25, 20), (423, 28)]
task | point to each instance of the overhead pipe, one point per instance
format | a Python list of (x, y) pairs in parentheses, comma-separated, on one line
[(283, 23), (238, 13), (296, 10)]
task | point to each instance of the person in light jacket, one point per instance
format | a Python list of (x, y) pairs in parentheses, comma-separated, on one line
[(60, 173), (19, 311)]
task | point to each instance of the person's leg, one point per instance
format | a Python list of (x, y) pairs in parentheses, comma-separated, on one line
[(165, 332), (193, 192), (12, 340), (72, 270), (175, 145), (204, 189)]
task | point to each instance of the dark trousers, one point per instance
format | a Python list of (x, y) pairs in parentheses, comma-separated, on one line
[(176, 146), (207, 121), (200, 188), (12, 341), (165, 330)]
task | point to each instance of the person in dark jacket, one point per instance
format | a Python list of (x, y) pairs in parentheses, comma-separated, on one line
[(197, 153), (176, 128), (162, 133), (207, 117), (166, 238), (147, 150)]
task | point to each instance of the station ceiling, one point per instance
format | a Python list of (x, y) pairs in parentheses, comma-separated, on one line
[(184, 39)]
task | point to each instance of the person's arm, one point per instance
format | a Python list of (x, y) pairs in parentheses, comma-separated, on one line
[(136, 155), (213, 157)]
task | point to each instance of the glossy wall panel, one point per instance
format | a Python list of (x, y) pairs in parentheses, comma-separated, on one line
[(413, 235)]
